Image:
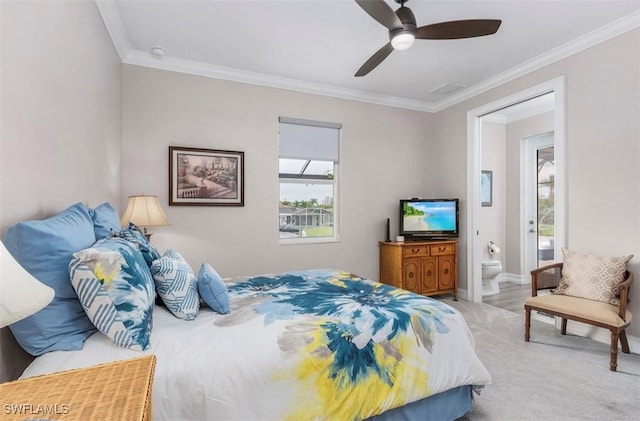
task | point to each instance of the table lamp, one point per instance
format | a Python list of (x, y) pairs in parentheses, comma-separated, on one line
[(21, 295), (144, 211)]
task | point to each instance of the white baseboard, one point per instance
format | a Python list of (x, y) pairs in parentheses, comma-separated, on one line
[(513, 278), (463, 295), (597, 334)]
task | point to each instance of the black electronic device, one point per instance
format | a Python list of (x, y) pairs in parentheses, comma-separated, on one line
[(429, 219), (388, 236)]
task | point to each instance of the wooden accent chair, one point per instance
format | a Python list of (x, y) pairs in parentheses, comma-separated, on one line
[(613, 317)]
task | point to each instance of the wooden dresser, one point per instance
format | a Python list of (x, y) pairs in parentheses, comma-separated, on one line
[(423, 267)]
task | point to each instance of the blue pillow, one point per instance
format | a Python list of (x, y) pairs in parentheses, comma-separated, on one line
[(116, 290), (213, 290), (106, 221), (45, 248), (177, 285), (135, 235)]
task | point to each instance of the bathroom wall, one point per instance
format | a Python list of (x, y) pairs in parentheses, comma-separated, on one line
[(492, 218)]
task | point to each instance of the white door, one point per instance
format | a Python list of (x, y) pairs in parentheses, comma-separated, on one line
[(540, 226)]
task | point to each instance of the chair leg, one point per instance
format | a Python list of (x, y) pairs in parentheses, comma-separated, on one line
[(564, 326), (613, 365), (624, 342), (527, 323)]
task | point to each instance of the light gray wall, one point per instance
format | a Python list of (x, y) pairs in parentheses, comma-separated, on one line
[(384, 157), (61, 125), (603, 148), (492, 217), (516, 132)]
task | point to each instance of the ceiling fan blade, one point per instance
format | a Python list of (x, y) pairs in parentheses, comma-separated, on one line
[(457, 29), (374, 60), (382, 12)]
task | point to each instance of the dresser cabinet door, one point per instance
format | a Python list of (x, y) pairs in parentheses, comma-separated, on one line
[(446, 269), (411, 274), (429, 275)]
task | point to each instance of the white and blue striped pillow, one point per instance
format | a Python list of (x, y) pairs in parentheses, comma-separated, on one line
[(177, 285), (116, 290)]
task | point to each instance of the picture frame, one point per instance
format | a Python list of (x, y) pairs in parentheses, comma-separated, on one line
[(486, 182), (205, 177)]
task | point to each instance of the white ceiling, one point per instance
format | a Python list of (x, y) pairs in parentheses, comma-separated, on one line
[(317, 45)]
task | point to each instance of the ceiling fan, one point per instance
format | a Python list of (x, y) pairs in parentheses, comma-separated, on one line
[(403, 30)]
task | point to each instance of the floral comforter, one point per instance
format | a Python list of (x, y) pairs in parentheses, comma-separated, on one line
[(320, 344)]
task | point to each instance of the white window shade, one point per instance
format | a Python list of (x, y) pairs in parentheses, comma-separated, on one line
[(310, 140)]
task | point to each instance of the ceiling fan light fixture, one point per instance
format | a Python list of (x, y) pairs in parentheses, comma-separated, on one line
[(402, 41)]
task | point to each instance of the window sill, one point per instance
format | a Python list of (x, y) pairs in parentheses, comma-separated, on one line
[(308, 240)]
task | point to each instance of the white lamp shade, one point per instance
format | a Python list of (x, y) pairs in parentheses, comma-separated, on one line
[(21, 295), (144, 211)]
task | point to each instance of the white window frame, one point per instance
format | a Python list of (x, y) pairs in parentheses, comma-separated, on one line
[(307, 180)]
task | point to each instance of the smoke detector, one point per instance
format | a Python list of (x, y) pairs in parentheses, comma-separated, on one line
[(158, 52)]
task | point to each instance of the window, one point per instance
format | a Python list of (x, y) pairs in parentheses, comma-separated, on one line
[(308, 173)]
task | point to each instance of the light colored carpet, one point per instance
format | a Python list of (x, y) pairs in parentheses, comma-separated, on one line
[(553, 377)]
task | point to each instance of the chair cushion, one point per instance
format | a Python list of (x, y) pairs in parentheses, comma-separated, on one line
[(604, 313), (592, 276)]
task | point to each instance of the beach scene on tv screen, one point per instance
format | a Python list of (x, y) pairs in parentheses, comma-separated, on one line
[(429, 216)]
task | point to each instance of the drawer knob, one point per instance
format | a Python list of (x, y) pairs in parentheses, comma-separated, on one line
[(410, 274), (441, 248), (446, 271), (429, 273), (415, 250)]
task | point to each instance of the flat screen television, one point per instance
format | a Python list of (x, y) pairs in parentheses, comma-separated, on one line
[(429, 219)]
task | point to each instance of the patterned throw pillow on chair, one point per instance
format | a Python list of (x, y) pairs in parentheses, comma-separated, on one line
[(177, 285), (592, 276), (116, 290)]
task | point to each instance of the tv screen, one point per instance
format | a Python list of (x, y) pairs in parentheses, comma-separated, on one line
[(429, 218)]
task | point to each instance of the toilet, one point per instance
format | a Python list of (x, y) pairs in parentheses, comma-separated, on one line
[(491, 268)]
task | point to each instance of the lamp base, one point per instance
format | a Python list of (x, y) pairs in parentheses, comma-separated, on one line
[(146, 233)]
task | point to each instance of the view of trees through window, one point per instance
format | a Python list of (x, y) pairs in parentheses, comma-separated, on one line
[(306, 209), (546, 195)]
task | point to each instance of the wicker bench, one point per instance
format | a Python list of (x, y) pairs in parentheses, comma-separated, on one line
[(119, 390), (615, 318)]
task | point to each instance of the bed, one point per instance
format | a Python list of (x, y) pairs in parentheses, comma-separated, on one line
[(320, 344)]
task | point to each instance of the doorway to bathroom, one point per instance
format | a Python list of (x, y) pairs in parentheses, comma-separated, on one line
[(516, 226)]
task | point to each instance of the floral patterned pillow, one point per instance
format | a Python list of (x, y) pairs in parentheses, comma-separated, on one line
[(134, 234), (593, 276), (116, 290)]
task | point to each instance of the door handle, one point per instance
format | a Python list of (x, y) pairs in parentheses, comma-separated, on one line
[(532, 230)]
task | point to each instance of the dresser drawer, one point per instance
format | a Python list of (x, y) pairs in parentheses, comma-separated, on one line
[(417, 250), (441, 249)]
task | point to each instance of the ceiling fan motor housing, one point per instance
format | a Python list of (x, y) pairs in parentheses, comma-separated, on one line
[(408, 20)]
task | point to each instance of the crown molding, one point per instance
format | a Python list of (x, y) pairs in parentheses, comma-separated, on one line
[(237, 75), (115, 27), (111, 17), (604, 33)]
